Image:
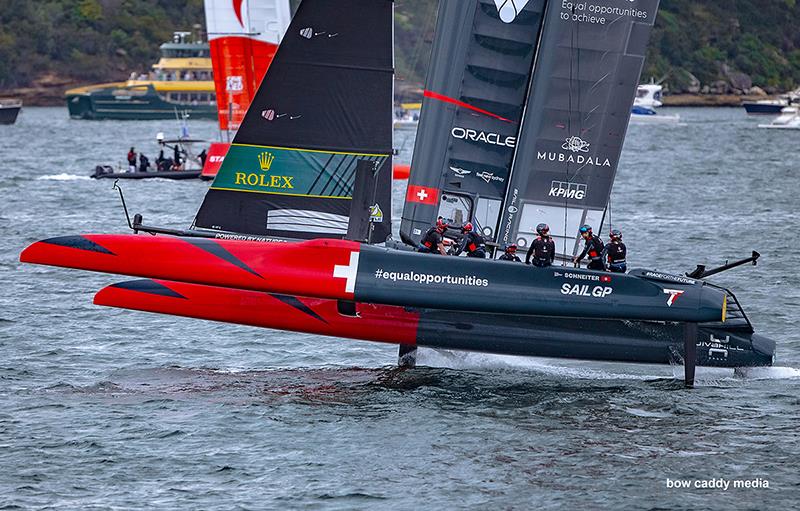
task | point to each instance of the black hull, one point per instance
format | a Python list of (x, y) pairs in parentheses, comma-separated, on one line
[(172, 174), (8, 115), (592, 339), (762, 109)]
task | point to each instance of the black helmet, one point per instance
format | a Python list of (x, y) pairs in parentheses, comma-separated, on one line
[(615, 234), (542, 229), (585, 229)]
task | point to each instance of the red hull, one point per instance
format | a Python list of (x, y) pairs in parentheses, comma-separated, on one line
[(249, 265), (382, 323)]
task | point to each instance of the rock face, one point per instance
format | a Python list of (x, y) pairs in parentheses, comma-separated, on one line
[(739, 82), (757, 91)]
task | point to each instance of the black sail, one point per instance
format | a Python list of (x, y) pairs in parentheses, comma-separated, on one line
[(526, 108), (475, 93), (587, 70), (323, 108)]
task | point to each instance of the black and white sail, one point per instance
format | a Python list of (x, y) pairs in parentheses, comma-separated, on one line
[(562, 149), (475, 94), (323, 110)]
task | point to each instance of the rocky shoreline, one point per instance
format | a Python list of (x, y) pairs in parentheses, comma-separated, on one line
[(699, 100)]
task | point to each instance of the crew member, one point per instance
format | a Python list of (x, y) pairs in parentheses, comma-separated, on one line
[(615, 252), (472, 242), (132, 160), (593, 249), (144, 163), (202, 157), (176, 158), (543, 248), (433, 241), (510, 254)]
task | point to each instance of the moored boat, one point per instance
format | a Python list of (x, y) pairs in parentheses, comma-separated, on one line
[(9, 110), (789, 119)]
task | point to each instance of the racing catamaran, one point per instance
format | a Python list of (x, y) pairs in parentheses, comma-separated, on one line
[(544, 97)]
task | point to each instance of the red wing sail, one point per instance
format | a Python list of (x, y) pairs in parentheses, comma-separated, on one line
[(383, 323), (243, 40)]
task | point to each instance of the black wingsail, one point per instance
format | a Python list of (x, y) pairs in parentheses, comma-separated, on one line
[(475, 94), (323, 109), (526, 108), (582, 89)]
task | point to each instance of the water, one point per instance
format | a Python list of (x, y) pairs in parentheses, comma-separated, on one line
[(103, 408)]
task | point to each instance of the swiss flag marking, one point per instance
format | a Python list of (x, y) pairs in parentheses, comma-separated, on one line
[(422, 194), (605, 278)]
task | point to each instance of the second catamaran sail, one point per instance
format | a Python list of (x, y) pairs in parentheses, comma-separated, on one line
[(244, 37), (548, 150), (323, 110)]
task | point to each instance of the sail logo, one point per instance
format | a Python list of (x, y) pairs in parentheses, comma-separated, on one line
[(459, 172), (234, 84), (483, 137), (376, 213), (509, 9), (261, 180), (575, 146), (489, 177), (265, 160), (567, 190)]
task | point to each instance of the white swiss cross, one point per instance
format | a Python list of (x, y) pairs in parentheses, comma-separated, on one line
[(348, 272), (422, 194)]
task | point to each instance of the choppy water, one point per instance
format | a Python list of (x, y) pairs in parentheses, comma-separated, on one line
[(101, 408)]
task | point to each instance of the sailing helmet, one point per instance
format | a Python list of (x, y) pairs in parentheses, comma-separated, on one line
[(467, 227), (615, 234), (585, 229), (441, 225), (542, 229), (511, 249)]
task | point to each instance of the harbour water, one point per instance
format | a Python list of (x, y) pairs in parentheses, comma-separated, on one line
[(104, 408)]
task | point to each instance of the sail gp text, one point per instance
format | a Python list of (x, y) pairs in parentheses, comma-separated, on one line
[(586, 290), (427, 278)]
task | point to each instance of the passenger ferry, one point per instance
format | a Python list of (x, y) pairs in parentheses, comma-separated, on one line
[(181, 82)]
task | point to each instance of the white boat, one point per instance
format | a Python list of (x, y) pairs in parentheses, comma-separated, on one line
[(648, 98), (648, 95), (788, 120)]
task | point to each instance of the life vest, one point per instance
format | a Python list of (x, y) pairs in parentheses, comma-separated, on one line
[(616, 252)]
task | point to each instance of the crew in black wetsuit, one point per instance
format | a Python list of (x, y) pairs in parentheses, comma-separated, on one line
[(543, 248), (433, 241), (593, 249), (144, 163), (471, 242), (615, 252), (510, 254)]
